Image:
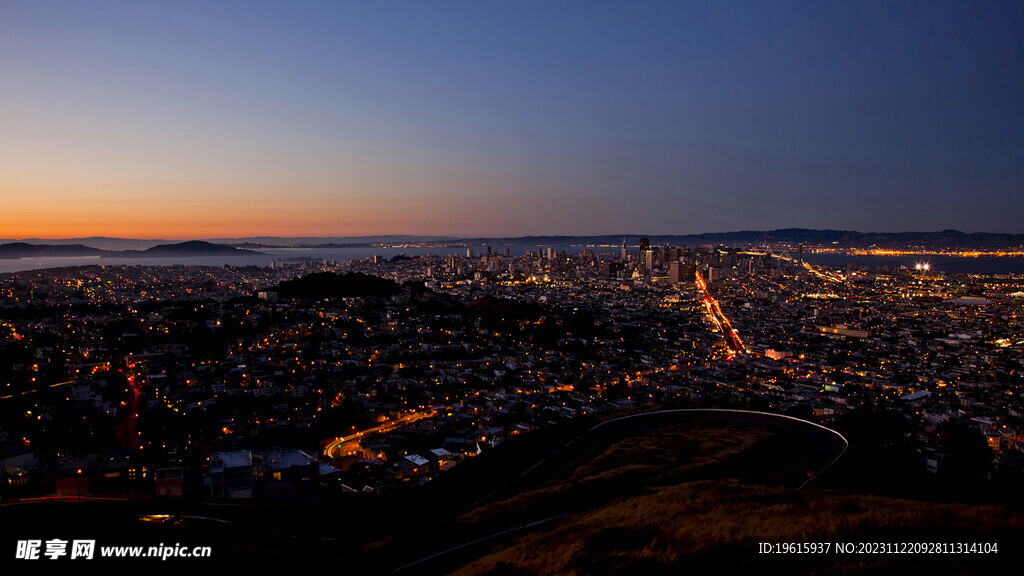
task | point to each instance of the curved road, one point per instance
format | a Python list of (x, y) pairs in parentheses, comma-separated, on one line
[(349, 444)]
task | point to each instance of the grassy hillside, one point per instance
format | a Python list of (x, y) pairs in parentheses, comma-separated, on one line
[(700, 526), (673, 494), (698, 497), (629, 465)]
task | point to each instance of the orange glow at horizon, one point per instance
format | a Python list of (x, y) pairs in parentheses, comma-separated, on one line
[(232, 214), (181, 225)]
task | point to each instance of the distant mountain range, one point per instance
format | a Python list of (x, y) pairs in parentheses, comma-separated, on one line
[(131, 248), (837, 238), (17, 250), (107, 243), (327, 242)]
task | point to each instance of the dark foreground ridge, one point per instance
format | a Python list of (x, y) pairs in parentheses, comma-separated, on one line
[(656, 493), (624, 456)]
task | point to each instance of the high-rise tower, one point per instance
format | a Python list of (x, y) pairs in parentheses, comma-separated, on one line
[(645, 247)]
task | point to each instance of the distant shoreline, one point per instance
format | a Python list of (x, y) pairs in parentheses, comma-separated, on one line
[(986, 265)]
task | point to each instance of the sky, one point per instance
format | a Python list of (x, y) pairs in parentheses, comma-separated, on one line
[(231, 119)]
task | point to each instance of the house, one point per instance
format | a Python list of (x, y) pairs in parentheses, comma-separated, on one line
[(290, 474), (14, 480), (169, 482), (411, 467), (233, 474), (916, 398), (441, 460), (120, 472), (1008, 438), (931, 459), (70, 477)]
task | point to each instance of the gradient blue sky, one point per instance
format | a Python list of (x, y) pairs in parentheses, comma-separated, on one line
[(181, 119)]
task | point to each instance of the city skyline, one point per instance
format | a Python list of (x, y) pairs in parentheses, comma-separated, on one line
[(237, 120), (586, 393)]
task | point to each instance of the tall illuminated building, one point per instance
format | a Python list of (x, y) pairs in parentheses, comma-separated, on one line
[(645, 248)]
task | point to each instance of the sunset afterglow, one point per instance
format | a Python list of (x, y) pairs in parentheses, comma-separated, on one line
[(188, 120)]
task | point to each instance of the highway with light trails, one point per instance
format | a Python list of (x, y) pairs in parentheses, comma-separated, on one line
[(732, 339), (349, 444)]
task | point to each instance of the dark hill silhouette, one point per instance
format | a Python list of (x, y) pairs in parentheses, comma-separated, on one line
[(330, 285), (192, 247), (17, 250)]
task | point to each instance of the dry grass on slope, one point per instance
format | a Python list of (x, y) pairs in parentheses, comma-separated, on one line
[(671, 455), (710, 525)]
